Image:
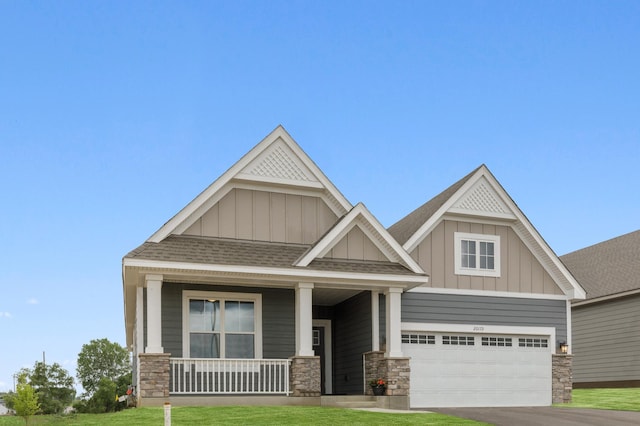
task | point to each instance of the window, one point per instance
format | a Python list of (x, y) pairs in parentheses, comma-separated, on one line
[(497, 341), (532, 343), (458, 340), (477, 254), (419, 339), (222, 325)]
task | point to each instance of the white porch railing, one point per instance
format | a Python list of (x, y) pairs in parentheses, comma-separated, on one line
[(228, 376)]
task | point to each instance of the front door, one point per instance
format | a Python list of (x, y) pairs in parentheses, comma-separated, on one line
[(322, 348)]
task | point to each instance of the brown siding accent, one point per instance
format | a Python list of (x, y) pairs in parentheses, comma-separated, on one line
[(265, 216), (521, 272)]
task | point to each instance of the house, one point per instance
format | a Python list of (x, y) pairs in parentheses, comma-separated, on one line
[(606, 326), (272, 287)]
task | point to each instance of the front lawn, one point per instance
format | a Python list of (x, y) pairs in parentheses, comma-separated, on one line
[(626, 399), (272, 415)]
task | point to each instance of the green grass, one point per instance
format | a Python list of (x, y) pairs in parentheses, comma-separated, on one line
[(625, 399), (272, 415)]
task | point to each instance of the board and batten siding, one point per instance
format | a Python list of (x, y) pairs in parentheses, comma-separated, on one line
[(485, 310), (356, 246), (278, 318), (352, 338), (606, 341), (265, 216), (520, 271)]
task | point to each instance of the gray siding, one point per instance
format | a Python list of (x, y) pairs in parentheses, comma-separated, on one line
[(606, 341), (352, 330), (278, 318), (460, 309)]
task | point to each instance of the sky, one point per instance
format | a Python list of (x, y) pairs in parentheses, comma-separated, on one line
[(115, 114)]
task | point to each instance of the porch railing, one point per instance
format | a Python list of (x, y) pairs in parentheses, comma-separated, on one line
[(228, 376)]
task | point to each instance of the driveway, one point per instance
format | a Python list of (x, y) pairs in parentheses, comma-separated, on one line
[(546, 416)]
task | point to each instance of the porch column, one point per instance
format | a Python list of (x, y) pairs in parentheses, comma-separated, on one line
[(393, 316), (304, 319), (154, 314), (375, 321)]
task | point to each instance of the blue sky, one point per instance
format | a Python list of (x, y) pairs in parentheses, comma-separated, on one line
[(114, 115)]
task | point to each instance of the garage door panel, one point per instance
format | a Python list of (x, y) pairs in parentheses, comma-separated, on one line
[(476, 375)]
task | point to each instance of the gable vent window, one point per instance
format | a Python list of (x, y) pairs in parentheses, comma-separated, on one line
[(477, 254), (458, 340), (532, 343), (419, 339), (497, 341)]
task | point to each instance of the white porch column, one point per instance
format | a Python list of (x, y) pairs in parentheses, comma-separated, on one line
[(375, 321), (154, 314), (393, 316), (304, 319)]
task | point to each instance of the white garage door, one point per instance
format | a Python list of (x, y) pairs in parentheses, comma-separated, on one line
[(478, 370)]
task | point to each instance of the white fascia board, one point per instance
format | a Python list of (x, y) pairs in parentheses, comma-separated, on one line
[(278, 133), (483, 329), (306, 275), (488, 293), (606, 298)]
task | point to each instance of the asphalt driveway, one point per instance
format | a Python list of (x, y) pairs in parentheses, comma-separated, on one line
[(547, 416)]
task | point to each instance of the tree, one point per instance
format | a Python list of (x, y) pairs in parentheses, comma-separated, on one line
[(50, 383), (25, 401), (54, 387), (101, 359)]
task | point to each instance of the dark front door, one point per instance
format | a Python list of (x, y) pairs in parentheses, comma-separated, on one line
[(318, 350)]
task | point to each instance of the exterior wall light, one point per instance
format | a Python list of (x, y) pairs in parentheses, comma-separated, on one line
[(564, 348)]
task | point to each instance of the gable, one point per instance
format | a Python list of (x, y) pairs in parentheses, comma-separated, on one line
[(356, 245), (520, 270), (265, 216), (277, 165), (480, 197)]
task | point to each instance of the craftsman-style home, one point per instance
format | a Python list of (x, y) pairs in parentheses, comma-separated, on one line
[(272, 287)]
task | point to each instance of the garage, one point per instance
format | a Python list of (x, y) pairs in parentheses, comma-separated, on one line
[(491, 368)]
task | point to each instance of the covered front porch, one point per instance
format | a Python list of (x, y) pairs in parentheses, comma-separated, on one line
[(336, 332)]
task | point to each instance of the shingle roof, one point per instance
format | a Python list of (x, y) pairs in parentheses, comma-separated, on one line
[(221, 251), (607, 268), (407, 226)]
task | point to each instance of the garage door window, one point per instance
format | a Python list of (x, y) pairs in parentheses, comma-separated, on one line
[(497, 341), (532, 343), (458, 340), (419, 339)]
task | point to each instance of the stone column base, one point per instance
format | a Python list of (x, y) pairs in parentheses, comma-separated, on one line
[(154, 378), (562, 379), (394, 371), (304, 376)]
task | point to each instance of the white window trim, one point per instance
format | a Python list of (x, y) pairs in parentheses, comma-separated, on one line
[(459, 270), (256, 298)]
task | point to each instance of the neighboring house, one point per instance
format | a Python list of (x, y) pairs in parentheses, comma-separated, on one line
[(271, 285), (606, 326)]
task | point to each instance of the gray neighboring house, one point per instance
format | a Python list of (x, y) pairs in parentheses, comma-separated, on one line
[(270, 286), (606, 326)]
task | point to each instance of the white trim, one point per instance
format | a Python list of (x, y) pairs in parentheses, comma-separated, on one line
[(491, 293), (393, 313), (483, 329), (346, 224), (281, 272), (304, 319), (375, 320), (607, 297), (256, 298), (458, 237), (328, 362), (154, 314), (569, 329)]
